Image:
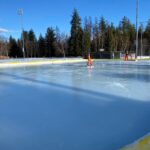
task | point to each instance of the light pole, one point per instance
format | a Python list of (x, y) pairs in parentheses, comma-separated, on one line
[(137, 9), (20, 13), (141, 39)]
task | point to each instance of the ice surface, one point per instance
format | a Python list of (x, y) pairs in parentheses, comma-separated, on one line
[(71, 107)]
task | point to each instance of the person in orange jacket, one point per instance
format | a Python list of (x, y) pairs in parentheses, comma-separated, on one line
[(89, 60), (126, 56)]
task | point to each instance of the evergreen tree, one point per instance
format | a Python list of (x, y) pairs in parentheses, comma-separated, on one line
[(117, 39), (87, 36), (146, 39), (147, 31), (110, 41), (41, 46), (96, 36), (75, 42), (88, 26), (86, 42), (132, 35), (26, 43), (127, 34), (19, 44), (102, 29), (50, 42), (32, 44), (14, 50)]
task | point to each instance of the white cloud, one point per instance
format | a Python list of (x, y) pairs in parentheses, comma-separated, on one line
[(2, 30)]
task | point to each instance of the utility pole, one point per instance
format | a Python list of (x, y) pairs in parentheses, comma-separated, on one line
[(137, 9), (20, 13)]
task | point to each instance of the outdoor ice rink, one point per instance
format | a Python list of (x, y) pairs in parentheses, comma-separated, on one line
[(72, 107)]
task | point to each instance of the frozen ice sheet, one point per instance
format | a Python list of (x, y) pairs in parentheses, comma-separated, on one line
[(72, 107)]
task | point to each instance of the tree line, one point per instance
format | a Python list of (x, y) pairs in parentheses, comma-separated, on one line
[(85, 36)]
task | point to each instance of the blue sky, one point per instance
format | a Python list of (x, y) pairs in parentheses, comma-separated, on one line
[(40, 14)]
